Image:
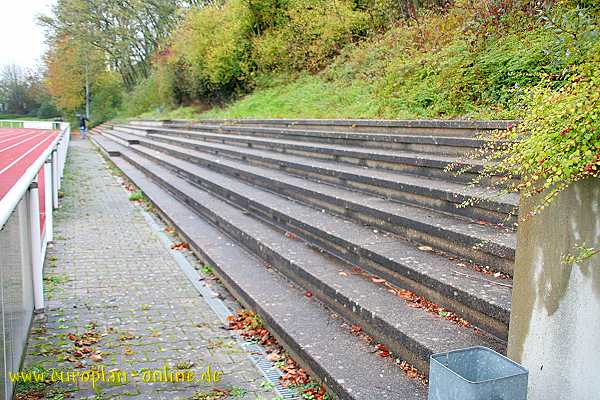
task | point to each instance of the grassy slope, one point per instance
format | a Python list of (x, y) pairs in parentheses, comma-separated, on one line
[(430, 71)]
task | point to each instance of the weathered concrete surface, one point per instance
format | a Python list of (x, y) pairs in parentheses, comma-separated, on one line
[(109, 276), (555, 321)]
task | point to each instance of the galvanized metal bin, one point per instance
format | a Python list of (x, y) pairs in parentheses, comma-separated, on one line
[(476, 373)]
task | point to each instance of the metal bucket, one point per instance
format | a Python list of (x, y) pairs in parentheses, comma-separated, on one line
[(476, 373)]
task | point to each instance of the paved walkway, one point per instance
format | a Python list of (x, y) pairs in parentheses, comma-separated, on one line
[(118, 304)]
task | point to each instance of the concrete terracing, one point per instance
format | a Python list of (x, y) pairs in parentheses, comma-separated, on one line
[(360, 214)]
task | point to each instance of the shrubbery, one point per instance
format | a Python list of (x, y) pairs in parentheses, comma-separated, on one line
[(366, 58), (219, 50)]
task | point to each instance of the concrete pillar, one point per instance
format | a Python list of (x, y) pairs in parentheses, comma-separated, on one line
[(555, 318)]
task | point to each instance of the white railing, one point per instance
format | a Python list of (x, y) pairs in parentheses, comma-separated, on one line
[(15, 123), (23, 245)]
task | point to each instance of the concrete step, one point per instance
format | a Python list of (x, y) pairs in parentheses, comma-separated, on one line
[(421, 164), (105, 143), (463, 128), (134, 131), (411, 332), (433, 144), (316, 337), (426, 192), (119, 137), (483, 300), (484, 244)]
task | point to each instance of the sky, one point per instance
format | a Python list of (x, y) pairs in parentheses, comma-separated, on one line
[(21, 39)]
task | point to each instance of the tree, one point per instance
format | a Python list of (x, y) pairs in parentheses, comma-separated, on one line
[(68, 61), (21, 91), (127, 32)]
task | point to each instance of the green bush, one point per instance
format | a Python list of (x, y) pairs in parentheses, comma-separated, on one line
[(558, 141), (107, 96), (47, 110), (212, 49)]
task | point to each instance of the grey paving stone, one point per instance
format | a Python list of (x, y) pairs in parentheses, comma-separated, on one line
[(112, 278)]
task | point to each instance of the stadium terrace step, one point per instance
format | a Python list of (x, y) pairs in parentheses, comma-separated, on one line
[(120, 137), (421, 164), (484, 243), (391, 127), (107, 144), (482, 300), (427, 192), (411, 332), (315, 336), (443, 145), (359, 213)]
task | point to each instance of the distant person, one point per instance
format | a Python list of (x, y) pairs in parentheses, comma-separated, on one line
[(83, 126)]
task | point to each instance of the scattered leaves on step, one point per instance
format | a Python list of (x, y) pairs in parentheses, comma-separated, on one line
[(275, 356), (411, 371), (356, 329), (316, 392), (416, 301), (249, 325), (129, 187), (293, 374), (180, 246), (382, 351), (291, 235), (486, 270)]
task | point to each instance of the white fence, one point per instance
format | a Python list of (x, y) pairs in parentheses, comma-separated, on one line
[(23, 244)]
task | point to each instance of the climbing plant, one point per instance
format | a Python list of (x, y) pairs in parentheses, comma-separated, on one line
[(557, 141)]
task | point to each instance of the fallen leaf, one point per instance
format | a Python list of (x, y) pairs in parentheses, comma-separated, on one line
[(425, 248), (180, 246), (308, 294), (291, 235), (274, 357)]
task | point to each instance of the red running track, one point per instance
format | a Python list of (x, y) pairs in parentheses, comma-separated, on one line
[(19, 148)]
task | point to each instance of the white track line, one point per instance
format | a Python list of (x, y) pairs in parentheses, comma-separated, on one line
[(18, 136), (17, 144), (12, 164)]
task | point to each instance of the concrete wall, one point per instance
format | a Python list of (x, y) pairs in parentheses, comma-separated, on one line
[(555, 320)]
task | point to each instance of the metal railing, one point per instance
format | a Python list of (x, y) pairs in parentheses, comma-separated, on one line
[(23, 244)]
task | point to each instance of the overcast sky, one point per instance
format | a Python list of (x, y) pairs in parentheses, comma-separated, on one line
[(21, 39)]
